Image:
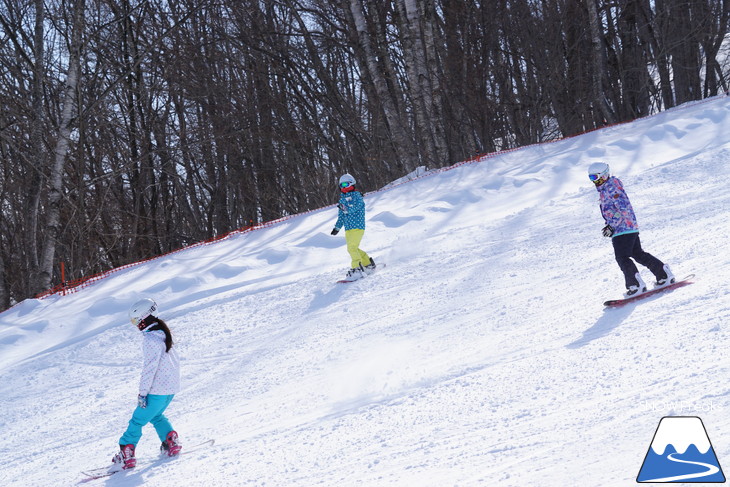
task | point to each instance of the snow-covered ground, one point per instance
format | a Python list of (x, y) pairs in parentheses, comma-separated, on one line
[(481, 355)]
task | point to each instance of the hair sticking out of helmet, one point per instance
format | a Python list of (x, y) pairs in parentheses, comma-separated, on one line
[(141, 310), (598, 172)]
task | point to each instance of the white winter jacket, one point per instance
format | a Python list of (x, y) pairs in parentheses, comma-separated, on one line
[(161, 370)]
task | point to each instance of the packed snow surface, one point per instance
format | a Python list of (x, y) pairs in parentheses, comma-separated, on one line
[(481, 355)]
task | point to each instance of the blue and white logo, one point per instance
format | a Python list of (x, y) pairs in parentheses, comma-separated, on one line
[(681, 452)]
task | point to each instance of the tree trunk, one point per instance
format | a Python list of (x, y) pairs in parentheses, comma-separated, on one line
[(648, 29), (53, 218), (415, 65), (712, 35), (634, 76), (402, 143), (420, 62), (4, 295), (38, 157), (600, 63), (435, 75), (684, 51)]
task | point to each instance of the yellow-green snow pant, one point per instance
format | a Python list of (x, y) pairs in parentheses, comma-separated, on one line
[(353, 238)]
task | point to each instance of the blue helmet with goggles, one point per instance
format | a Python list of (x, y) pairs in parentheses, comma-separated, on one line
[(598, 172)]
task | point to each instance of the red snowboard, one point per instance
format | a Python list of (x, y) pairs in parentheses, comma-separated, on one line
[(615, 303)]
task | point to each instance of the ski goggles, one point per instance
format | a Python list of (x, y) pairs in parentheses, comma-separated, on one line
[(345, 184), (595, 177)]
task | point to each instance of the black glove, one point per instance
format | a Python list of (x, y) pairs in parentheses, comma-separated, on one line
[(335, 231), (607, 231)]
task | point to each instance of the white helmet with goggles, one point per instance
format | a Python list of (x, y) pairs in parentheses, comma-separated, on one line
[(598, 172), (346, 180), (141, 310)]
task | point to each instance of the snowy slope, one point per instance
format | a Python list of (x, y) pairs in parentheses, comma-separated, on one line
[(482, 354)]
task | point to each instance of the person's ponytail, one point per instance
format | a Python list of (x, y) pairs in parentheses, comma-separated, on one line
[(161, 325)]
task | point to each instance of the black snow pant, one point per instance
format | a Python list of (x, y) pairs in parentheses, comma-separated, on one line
[(628, 246)]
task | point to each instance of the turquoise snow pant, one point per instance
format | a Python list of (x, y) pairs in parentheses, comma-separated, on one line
[(153, 413)]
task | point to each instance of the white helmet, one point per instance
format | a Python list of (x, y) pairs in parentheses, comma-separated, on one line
[(141, 310), (347, 180), (598, 172)]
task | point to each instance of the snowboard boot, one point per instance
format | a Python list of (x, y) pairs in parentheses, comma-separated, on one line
[(633, 290), (355, 274), (171, 446), (124, 459), (370, 268), (666, 278)]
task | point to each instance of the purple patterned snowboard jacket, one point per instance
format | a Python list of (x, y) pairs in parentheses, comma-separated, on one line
[(616, 207)]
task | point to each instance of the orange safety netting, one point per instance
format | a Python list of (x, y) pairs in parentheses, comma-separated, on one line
[(80, 283)]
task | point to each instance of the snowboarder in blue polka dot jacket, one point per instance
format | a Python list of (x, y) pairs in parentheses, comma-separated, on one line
[(622, 227), (351, 215)]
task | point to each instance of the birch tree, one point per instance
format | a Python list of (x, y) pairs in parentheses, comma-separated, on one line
[(55, 189), (421, 59), (370, 67), (198, 117)]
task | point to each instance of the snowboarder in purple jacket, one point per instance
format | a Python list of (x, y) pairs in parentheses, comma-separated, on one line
[(623, 229)]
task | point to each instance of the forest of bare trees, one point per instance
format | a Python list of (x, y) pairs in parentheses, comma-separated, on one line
[(129, 128)]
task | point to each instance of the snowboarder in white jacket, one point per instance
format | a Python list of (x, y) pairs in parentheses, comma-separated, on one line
[(159, 382)]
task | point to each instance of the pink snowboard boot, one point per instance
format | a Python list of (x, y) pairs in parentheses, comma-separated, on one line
[(171, 446), (124, 459)]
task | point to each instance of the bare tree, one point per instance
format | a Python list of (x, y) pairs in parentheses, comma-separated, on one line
[(600, 68), (53, 223), (366, 55), (37, 161), (191, 118)]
